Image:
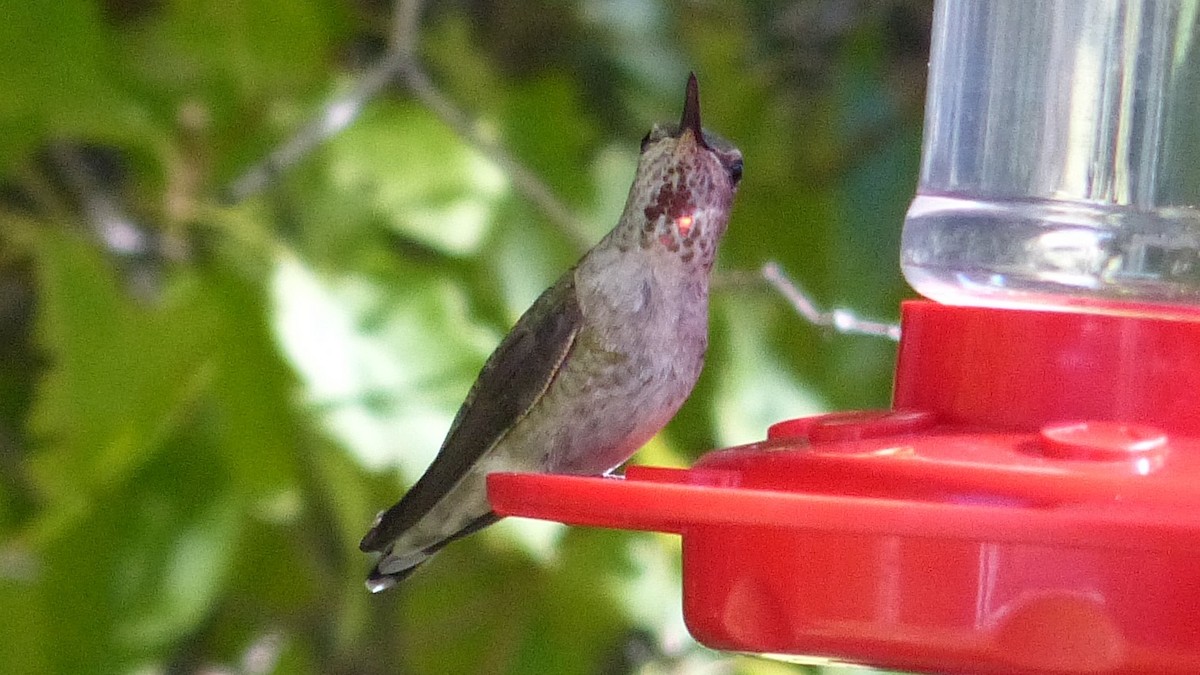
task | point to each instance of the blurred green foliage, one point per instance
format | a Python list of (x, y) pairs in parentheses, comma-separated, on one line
[(203, 403)]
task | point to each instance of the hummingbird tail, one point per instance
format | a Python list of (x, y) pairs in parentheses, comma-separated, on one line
[(393, 568)]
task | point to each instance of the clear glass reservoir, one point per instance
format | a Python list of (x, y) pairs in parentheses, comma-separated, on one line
[(1061, 159)]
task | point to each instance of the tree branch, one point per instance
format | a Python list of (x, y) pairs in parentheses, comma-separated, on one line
[(840, 320), (401, 63)]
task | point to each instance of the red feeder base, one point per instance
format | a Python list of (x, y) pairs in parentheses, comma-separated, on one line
[(1032, 504)]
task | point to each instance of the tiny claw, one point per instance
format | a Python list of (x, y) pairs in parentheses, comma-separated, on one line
[(379, 584), (691, 110)]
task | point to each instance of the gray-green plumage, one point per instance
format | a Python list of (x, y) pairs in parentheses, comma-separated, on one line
[(599, 363)]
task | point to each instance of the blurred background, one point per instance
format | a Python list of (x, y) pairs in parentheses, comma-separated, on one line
[(252, 255)]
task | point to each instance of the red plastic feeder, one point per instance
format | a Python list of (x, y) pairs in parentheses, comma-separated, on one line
[(1030, 504)]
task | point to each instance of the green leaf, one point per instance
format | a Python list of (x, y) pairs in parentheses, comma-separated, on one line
[(410, 172), (142, 568), (384, 362), (24, 648), (255, 47), (57, 77), (184, 561), (754, 389), (254, 430), (121, 373), (548, 127)]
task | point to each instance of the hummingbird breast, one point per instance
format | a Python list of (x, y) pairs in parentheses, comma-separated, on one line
[(634, 363)]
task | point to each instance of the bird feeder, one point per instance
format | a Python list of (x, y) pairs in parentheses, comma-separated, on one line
[(1031, 501)]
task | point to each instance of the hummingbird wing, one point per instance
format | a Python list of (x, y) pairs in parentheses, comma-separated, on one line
[(511, 382)]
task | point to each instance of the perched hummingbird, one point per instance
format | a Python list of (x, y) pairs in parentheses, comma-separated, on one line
[(599, 363)]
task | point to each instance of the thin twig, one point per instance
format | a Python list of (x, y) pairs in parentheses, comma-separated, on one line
[(102, 210), (841, 320), (401, 63), (141, 250), (406, 24), (405, 34), (525, 180), (335, 116)]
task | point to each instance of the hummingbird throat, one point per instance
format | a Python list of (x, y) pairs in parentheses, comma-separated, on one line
[(672, 219)]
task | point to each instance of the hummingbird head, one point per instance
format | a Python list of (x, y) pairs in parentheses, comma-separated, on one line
[(686, 179)]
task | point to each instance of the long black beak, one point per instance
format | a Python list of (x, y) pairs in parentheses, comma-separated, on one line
[(691, 111)]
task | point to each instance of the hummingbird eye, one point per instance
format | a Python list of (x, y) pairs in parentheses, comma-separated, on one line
[(735, 171), (646, 140)]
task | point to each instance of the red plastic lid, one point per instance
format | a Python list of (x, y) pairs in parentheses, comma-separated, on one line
[(1011, 369)]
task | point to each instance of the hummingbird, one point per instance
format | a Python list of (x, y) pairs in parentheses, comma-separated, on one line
[(600, 362)]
